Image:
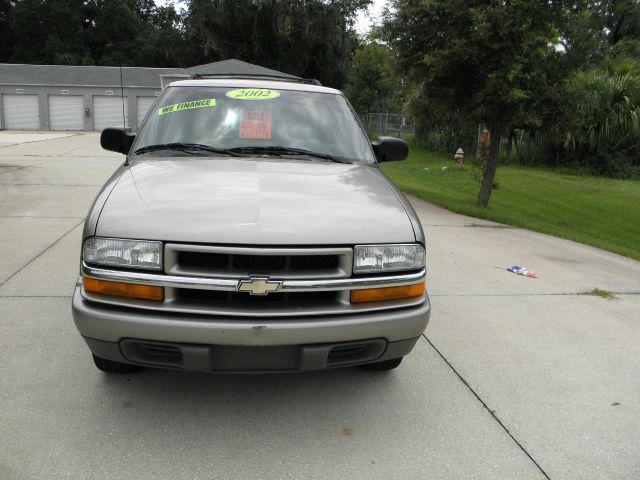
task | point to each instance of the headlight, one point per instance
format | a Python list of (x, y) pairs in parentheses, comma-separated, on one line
[(115, 252), (388, 258)]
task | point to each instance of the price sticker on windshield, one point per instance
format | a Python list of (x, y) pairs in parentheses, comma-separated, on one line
[(252, 94), (255, 124)]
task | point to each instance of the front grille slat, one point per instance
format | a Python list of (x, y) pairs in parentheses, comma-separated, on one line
[(252, 264), (211, 261), (313, 262)]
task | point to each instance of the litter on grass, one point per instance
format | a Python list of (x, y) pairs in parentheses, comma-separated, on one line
[(519, 271)]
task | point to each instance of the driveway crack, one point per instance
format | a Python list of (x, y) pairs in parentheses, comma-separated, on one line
[(15, 169), (41, 253), (35, 296), (486, 407)]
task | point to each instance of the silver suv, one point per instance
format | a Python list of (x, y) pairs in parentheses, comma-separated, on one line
[(251, 230)]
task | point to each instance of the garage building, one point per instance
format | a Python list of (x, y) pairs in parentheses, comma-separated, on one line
[(77, 98)]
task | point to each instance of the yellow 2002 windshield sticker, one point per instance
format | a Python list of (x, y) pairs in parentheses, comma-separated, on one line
[(252, 94), (179, 107)]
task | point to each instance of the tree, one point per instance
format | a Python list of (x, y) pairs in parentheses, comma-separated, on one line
[(6, 27), (589, 31), (49, 32), (605, 130), (113, 36), (90, 32), (485, 62), (373, 85), (309, 38), (622, 20), (162, 42)]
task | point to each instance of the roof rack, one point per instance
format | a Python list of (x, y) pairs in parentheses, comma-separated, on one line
[(256, 76)]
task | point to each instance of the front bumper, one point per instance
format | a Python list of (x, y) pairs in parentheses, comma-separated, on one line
[(105, 327), (111, 324), (233, 359)]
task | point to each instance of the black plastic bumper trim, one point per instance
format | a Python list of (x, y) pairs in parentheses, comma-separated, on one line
[(241, 359)]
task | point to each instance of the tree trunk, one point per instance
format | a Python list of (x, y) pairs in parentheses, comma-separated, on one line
[(490, 170)]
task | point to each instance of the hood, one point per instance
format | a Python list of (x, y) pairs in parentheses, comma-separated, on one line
[(254, 202)]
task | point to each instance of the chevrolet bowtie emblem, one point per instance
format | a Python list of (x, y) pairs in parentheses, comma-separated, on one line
[(259, 286)]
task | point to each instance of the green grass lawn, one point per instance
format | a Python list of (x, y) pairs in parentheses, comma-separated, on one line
[(601, 212)]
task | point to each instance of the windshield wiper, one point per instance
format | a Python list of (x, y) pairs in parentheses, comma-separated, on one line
[(278, 150), (185, 147)]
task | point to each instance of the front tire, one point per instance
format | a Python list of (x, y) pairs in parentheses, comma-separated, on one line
[(381, 366), (110, 366)]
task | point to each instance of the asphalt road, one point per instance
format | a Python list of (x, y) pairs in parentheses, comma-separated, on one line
[(516, 378)]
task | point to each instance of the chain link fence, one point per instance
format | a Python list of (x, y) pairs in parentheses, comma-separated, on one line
[(392, 124), (519, 148)]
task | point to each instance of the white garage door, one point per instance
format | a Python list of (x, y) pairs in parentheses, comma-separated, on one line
[(65, 112), (21, 112), (107, 112), (143, 104)]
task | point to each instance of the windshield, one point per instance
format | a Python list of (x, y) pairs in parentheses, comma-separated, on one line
[(227, 118)]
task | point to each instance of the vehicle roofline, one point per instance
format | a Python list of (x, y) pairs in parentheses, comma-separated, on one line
[(248, 83)]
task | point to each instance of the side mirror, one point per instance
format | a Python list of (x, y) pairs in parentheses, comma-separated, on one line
[(390, 149), (117, 139)]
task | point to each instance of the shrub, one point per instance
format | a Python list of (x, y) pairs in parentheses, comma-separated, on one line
[(605, 134)]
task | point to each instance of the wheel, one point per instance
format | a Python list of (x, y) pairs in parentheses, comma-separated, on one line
[(110, 366), (386, 365)]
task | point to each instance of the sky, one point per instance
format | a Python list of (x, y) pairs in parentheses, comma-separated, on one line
[(365, 20)]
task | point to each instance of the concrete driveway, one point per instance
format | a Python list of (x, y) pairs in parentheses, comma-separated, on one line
[(516, 378)]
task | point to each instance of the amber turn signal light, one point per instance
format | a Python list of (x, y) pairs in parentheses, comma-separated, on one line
[(118, 289), (390, 293)]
